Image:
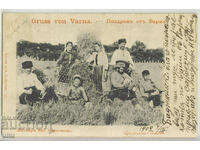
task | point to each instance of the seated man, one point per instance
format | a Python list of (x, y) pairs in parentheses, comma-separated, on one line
[(149, 90), (122, 84), (30, 89)]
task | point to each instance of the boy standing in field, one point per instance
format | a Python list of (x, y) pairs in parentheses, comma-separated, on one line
[(76, 92), (148, 89)]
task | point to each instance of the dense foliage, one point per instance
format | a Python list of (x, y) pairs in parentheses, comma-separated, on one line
[(47, 51)]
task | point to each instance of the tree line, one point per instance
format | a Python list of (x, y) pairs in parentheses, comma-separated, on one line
[(139, 52), (47, 51)]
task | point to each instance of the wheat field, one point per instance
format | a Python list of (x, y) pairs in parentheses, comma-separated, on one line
[(96, 112)]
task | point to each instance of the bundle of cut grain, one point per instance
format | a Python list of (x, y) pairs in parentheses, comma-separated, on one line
[(85, 43), (82, 69)]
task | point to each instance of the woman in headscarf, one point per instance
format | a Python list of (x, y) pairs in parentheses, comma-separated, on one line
[(66, 59), (99, 60)]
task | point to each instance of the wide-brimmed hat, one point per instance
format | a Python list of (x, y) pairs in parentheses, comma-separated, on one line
[(27, 64), (121, 63)]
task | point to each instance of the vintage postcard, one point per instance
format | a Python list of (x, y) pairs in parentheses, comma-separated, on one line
[(99, 75)]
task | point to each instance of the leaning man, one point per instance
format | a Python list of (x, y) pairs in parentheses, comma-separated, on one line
[(122, 84), (30, 89)]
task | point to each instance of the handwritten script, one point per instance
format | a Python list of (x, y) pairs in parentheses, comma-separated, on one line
[(180, 77)]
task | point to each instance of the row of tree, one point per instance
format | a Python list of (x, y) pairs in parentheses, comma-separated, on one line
[(41, 51), (47, 51), (139, 52)]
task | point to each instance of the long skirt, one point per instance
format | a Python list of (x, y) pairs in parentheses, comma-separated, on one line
[(63, 74)]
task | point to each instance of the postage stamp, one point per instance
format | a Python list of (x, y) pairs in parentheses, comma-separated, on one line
[(100, 75)]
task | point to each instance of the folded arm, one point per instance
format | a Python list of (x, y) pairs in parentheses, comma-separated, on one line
[(115, 81)]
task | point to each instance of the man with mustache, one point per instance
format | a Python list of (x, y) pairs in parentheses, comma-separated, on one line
[(122, 84), (30, 89)]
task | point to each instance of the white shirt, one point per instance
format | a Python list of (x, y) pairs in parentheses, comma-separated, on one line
[(28, 80), (121, 55), (102, 59)]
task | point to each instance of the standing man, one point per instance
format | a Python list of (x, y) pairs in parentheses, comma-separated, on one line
[(99, 60), (122, 54)]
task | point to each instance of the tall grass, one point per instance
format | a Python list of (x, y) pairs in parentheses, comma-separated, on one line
[(117, 113), (96, 112)]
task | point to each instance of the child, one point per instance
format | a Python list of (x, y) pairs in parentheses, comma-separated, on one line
[(76, 92), (149, 90)]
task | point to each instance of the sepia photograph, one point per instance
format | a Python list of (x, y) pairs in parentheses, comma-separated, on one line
[(100, 75), (89, 83)]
